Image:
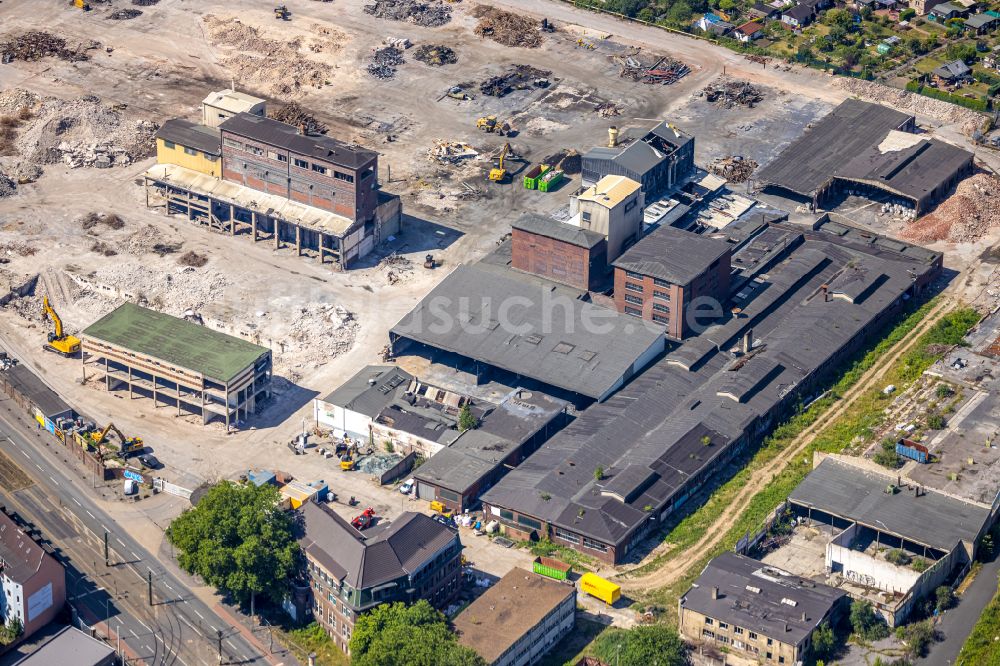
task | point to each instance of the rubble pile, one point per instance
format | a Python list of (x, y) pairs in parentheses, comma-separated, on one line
[(7, 185), (726, 93), (515, 77), (383, 62), (84, 132), (903, 100), (397, 268), (124, 14), (452, 152), (25, 172), (15, 99), (608, 110), (735, 169), (507, 28), (435, 55), (428, 14), (35, 45), (964, 217), (145, 3), (651, 68), (568, 161), (293, 114)]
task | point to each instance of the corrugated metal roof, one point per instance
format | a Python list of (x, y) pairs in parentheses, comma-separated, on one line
[(370, 390), (287, 136)]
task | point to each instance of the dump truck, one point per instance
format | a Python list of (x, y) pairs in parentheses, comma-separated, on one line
[(599, 588), (546, 566), (533, 174), (58, 340), (550, 180)]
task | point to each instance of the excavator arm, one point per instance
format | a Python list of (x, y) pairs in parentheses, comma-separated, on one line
[(51, 314)]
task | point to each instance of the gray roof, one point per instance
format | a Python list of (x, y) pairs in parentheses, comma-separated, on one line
[(765, 612), (287, 136), (703, 389), (540, 225), (369, 391), (186, 133), (29, 385), (946, 8), (70, 646), (673, 255), (954, 69), (381, 554), (641, 156), (980, 20), (549, 334), (800, 12), (810, 161), (857, 494)]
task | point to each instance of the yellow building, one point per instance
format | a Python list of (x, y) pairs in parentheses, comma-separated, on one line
[(190, 145)]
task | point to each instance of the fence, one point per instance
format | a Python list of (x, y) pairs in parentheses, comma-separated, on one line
[(171, 489), (748, 541), (401, 468)]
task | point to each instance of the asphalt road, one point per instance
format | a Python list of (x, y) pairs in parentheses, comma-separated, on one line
[(956, 624), (177, 629)]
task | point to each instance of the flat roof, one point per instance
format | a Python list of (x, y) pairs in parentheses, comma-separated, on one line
[(610, 191), (672, 254), (69, 646), (28, 384), (859, 494), (533, 223), (287, 136), (176, 341), (369, 391), (517, 603), (232, 101), (186, 133), (549, 334), (761, 598)]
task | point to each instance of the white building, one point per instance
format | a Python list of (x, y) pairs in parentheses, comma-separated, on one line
[(225, 104)]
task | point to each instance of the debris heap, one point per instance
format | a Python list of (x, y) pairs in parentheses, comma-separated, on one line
[(35, 45), (735, 169), (145, 3), (608, 109), (507, 28), (293, 114), (7, 185), (428, 14), (515, 77), (384, 61), (964, 217), (651, 68), (435, 55), (124, 14), (726, 93), (908, 102)]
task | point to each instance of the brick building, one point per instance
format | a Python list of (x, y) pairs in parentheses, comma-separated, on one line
[(350, 572), (661, 276), (33, 583), (315, 170), (559, 251)]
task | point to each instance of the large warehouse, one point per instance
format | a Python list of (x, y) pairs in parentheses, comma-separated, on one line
[(862, 146), (177, 363)]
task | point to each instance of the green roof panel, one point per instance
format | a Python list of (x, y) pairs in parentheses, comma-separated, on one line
[(176, 341)]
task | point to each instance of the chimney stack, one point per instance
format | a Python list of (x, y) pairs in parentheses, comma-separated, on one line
[(715, 592), (747, 343), (612, 136)]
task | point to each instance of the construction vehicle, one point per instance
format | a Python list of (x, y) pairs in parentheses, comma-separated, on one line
[(58, 341), (81, 4), (364, 519), (491, 125), (281, 13), (347, 462), (128, 446), (456, 92), (498, 173)]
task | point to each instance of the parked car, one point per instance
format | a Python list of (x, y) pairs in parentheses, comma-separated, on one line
[(150, 461), (447, 521), (407, 487)]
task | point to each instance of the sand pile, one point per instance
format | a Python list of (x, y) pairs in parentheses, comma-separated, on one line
[(964, 217)]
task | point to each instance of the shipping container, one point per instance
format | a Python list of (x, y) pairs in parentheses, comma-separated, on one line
[(531, 177), (599, 588), (549, 181), (546, 566), (912, 450)]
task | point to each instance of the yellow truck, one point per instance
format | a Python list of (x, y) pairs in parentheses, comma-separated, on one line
[(596, 586)]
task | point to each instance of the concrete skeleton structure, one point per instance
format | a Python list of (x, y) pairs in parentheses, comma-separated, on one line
[(178, 363), (32, 581)]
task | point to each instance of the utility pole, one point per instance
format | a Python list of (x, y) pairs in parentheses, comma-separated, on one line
[(218, 633), (149, 585), (107, 553)]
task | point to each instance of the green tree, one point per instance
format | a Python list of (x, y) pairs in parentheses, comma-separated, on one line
[(727, 5), (239, 541), (964, 52), (641, 646), (679, 14), (907, 14), (598, 473), (839, 17), (466, 419), (824, 641), (866, 623), (401, 635), (935, 422), (944, 598), (918, 637)]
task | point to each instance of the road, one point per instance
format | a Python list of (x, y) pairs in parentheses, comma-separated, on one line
[(177, 629), (957, 624)]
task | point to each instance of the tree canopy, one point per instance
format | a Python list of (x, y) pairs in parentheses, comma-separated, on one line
[(401, 635), (641, 646), (239, 541), (866, 623)]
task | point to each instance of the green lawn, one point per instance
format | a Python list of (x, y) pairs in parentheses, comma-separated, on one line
[(312, 639), (569, 650), (982, 647), (928, 64)]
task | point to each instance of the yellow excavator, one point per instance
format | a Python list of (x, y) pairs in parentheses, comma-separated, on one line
[(491, 125), (128, 444), (499, 172), (58, 341)]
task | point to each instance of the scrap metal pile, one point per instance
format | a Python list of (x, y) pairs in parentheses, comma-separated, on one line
[(428, 14), (293, 114), (726, 93), (384, 61), (124, 14), (735, 169), (435, 55), (662, 70), (515, 77), (36, 45), (507, 28)]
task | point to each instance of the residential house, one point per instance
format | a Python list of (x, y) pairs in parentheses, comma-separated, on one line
[(952, 72), (350, 572), (33, 582), (946, 11), (749, 31), (982, 24), (763, 12), (798, 16)]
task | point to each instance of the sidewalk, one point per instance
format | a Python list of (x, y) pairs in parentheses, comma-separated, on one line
[(281, 656)]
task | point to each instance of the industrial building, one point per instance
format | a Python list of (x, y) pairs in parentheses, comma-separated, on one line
[(756, 611), (669, 272), (611, 207), (350, 410), (802, 301), (177, 363), (518, 620), (659, 159), (866, 147), (220, 106), (413, 557), (71, 646), (559, 251), (186, 144), (33, 582)]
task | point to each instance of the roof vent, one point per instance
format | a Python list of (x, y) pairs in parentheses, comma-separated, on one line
[(789, 602), (751, 588)]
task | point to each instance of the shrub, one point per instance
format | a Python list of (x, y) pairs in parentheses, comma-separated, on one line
[(935, 422), (898, 557), (866, 623), (944, 598)]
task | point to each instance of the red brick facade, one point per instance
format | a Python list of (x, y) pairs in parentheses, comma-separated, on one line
[(557, 260)]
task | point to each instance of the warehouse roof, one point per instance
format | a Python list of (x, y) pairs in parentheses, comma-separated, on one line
[(176, 341), (70, 646), (186, 133), (610, 191), (498, 619), (859, 494), (761, 598), (672, 254), (549, 334), (540, 225), (287, 136), (29, 385), (369, 391)]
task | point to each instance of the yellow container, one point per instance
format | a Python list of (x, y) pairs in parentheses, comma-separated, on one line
[(596, 586), (437, 506)]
